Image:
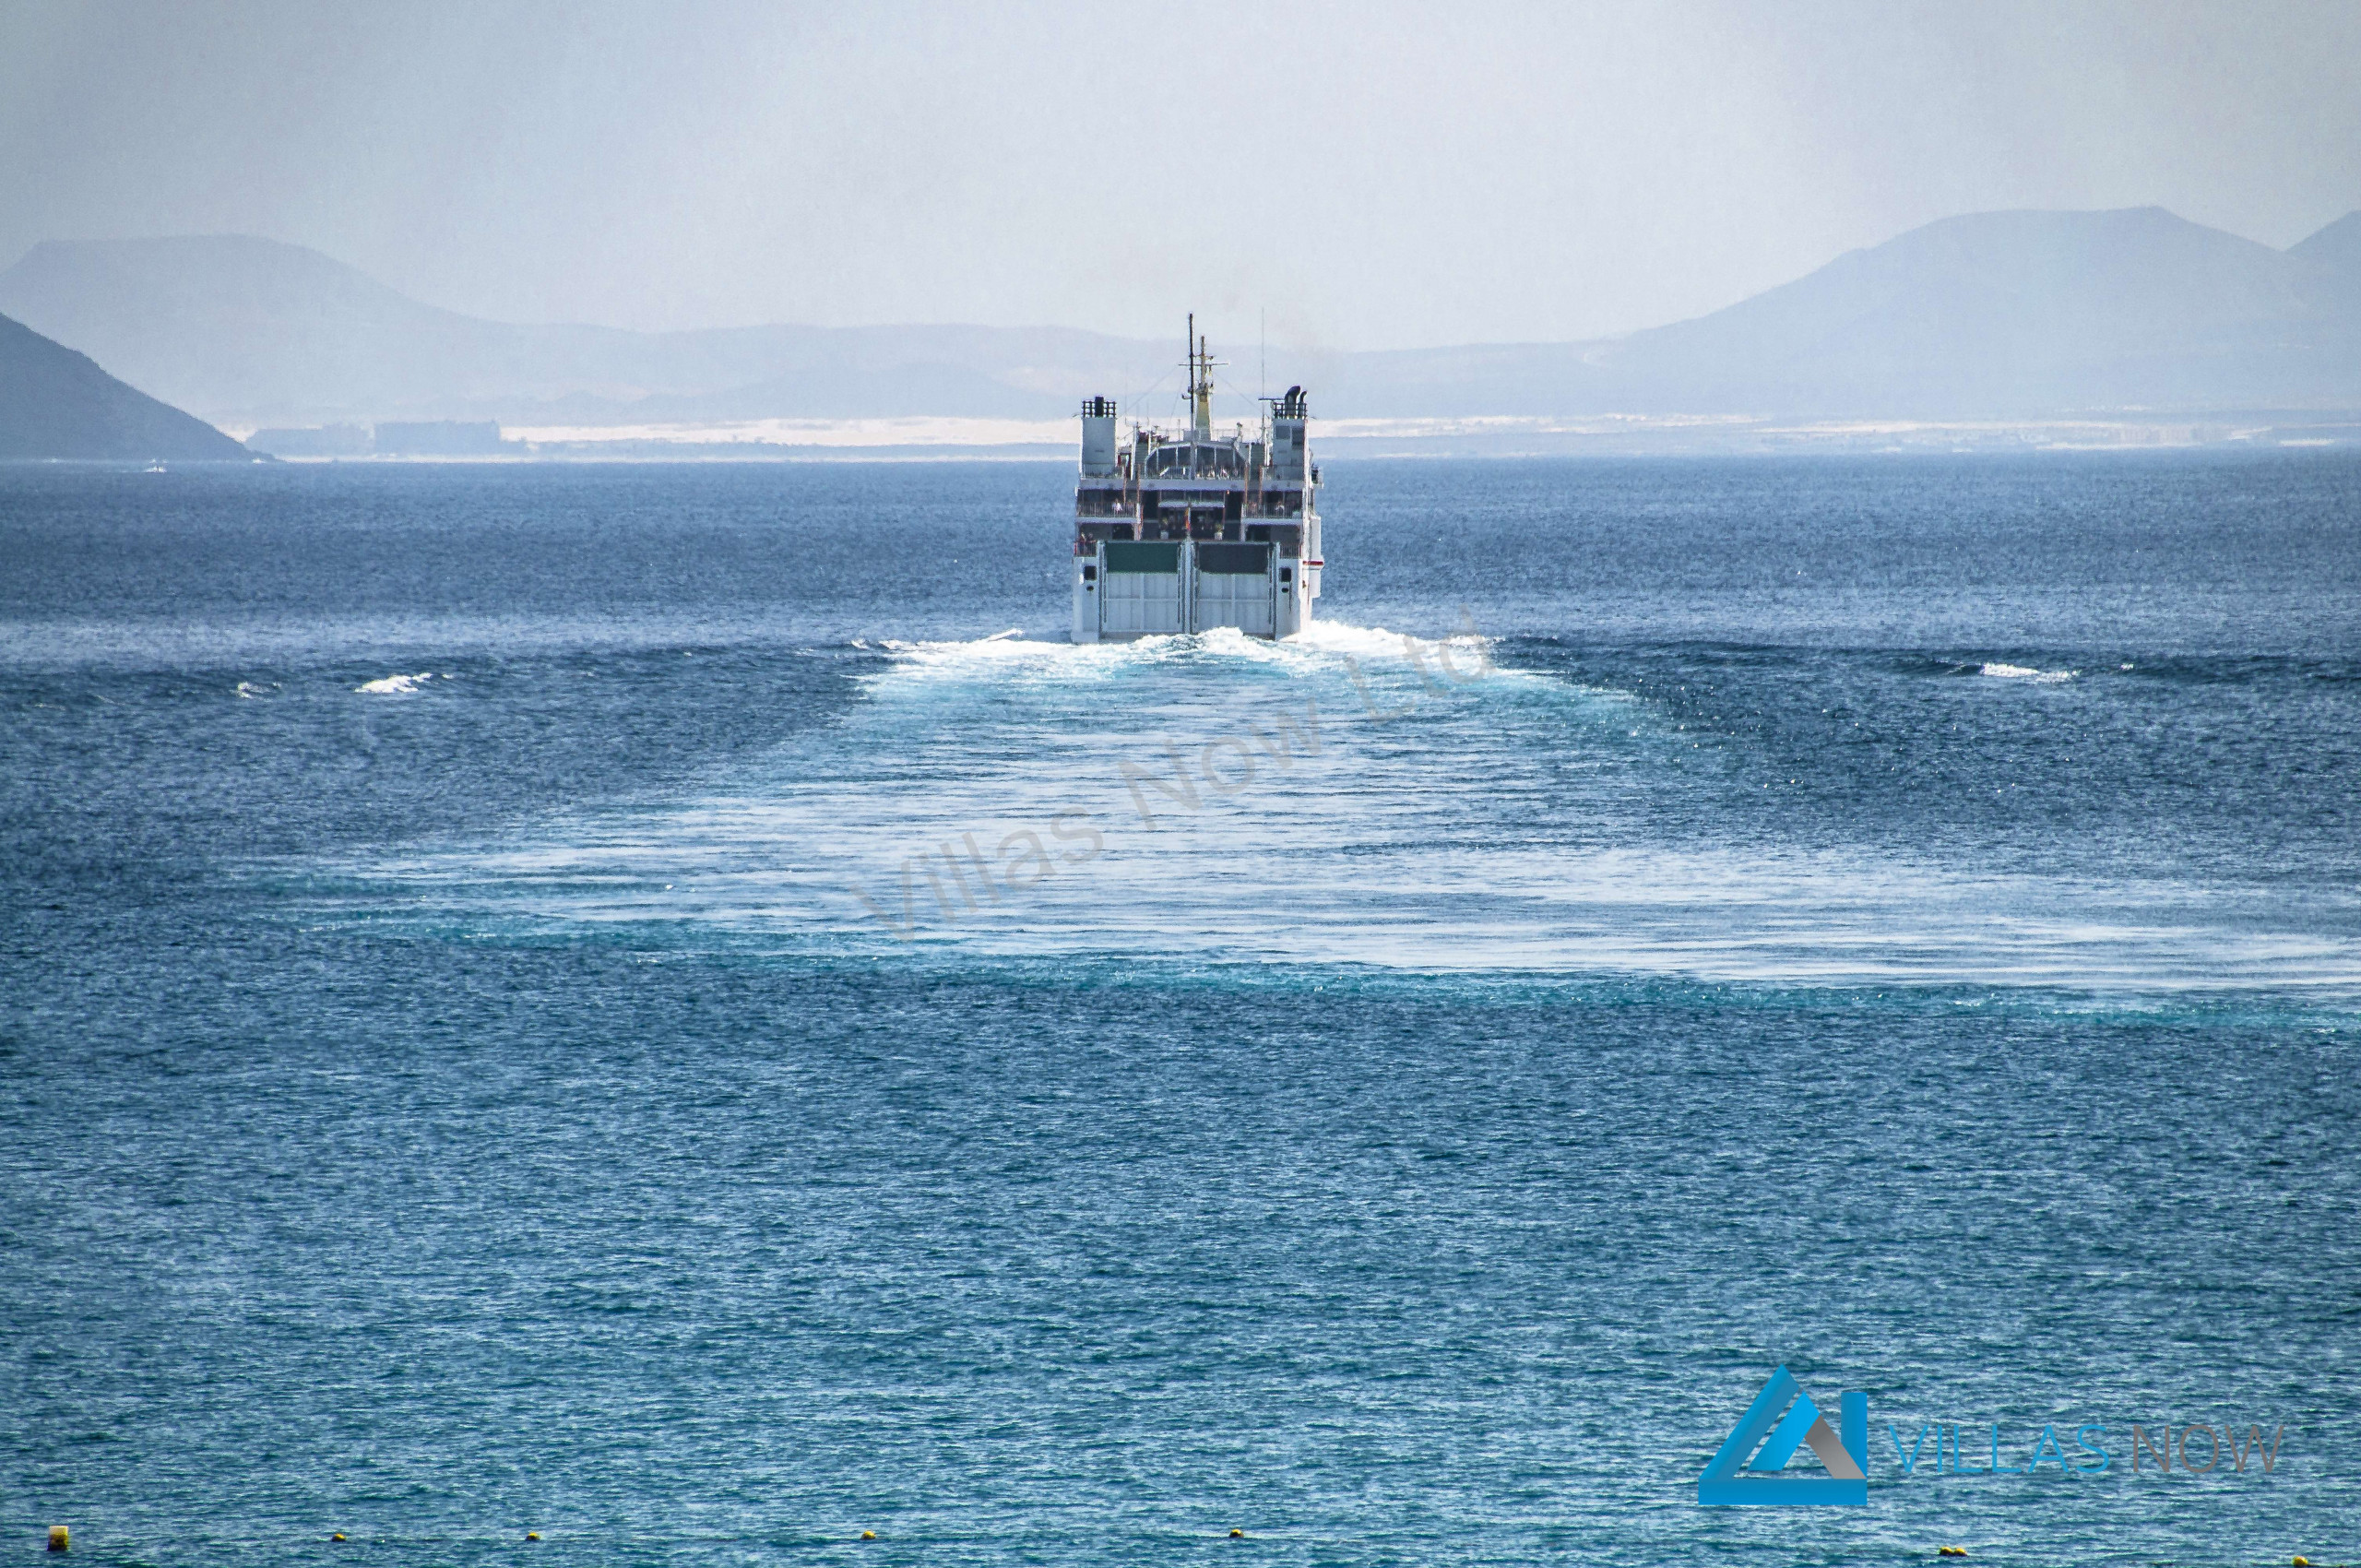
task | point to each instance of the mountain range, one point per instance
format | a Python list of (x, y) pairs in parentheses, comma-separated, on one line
[(56, 403), (1990, 316)]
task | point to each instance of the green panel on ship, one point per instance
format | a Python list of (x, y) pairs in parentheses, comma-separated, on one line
[(1234, 560), (1143, 556)]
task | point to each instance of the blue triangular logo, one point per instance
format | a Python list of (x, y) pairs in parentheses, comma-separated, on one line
[(1751, 1465)]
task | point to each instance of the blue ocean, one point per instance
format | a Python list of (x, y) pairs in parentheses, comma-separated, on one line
[(670, 1009)]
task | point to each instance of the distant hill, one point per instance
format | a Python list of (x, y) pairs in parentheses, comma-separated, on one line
[(2337, 246), (1994, 315), (2017, 314), (56, 403), (254, 332)]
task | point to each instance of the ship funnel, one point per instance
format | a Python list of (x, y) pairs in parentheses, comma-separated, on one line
[(1289, 458), (1098, 438)]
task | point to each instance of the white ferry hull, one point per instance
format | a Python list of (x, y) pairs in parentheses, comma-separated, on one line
[(1125, 590), (1190, 532)]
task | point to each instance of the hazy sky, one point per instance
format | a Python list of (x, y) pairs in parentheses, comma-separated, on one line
[(1369, 175)]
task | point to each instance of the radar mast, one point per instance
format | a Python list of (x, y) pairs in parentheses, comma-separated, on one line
[(1200, 385)]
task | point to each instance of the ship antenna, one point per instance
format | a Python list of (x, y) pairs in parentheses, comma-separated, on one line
[(1200, 383)]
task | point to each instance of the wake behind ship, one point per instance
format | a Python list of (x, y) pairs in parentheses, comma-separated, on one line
[(1177, 533)]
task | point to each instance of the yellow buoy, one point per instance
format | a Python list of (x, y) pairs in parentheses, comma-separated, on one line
[(338, 1536), (869, 1534), (532, 1534), (1238, 1535), (58, 1537), (2303, 1562), (1951, 1551)]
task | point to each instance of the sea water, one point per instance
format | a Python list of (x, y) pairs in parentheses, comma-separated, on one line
[(669, 1008)]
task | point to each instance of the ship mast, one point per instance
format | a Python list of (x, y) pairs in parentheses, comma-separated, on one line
[(1201, 383)]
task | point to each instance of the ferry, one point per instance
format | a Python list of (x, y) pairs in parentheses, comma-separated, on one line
[(1189, 531)]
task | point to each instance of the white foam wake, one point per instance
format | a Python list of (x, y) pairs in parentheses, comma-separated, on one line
[(1349, 799), (396, 685)]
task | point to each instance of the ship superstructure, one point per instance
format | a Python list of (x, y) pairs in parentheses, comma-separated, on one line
[(1189, 531)]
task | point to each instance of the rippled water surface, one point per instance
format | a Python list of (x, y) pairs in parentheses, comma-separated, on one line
[(669, 1008)]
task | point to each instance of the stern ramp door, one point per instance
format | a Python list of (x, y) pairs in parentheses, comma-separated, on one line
[(1234, 590), (1139, 589)]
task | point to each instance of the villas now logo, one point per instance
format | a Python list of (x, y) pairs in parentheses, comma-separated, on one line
[(1751, 1465)]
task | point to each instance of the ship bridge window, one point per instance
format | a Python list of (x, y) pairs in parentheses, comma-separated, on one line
[(1197, 460)]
